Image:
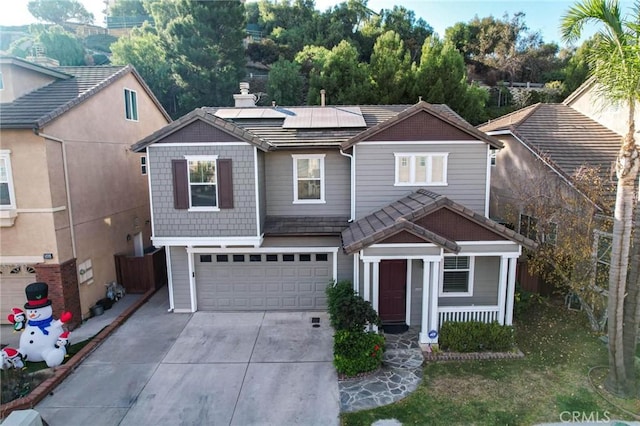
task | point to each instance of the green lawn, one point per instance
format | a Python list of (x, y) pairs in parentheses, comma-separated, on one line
[(550, 380)]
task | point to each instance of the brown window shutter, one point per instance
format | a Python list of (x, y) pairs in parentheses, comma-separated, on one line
[(180, 184), (225, 184)]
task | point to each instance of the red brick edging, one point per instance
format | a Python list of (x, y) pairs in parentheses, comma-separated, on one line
[(470, 356), (61, 372)]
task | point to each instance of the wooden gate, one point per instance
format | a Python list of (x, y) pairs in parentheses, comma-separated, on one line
[(139, 274)]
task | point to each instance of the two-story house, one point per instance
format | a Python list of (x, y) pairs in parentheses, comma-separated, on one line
[(72, 193), (260, 208)]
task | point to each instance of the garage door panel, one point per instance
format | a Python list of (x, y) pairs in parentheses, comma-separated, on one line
[(225, 283)]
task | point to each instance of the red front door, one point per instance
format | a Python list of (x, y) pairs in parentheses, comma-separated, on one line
[(393, 287)]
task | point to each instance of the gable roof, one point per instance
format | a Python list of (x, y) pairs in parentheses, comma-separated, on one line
[(23, 63), (562, 136), (403, 215), (200, 114), (588, 83), (444, 114), (74, 86)]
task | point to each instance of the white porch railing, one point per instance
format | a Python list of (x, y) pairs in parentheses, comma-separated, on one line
[(487, 314)]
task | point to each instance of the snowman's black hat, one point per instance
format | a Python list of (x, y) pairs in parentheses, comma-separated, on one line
[(37, 295)]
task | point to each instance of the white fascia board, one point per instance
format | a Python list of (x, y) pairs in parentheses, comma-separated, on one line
[(244, 250), (208, 241)]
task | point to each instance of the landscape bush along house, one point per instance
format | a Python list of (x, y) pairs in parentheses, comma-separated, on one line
[(260, 208)]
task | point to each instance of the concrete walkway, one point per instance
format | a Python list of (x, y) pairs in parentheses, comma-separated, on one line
[(251, 368), (400, 375)]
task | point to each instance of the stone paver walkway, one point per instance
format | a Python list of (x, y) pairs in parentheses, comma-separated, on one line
[(400, 375)]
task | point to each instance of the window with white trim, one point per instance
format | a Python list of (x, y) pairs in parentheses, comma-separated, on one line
[(203, 185), (130, 105), (493, 155), (528, 226), (1, 81), (421, 169), (308, 179), (602, 254), (457, 276), (7, 197), (143, 165)]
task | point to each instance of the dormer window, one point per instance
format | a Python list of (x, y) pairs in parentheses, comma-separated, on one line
[(130, 105)]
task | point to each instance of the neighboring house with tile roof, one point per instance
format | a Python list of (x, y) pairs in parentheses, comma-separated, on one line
[(72, 193), (545, 147), (260, 208)]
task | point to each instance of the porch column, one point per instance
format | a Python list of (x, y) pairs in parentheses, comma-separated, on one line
[(376, 288), (511, 290), (408, 291), (367, 280), (356, 273), (434, 324), (426, 280), (502, 287)]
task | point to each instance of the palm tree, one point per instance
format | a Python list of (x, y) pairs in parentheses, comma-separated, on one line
[(615, 62)]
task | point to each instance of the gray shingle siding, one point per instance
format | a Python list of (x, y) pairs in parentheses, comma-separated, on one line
[(169, 222), (279, 183), (417, 272), (180, 278), (375, 174)]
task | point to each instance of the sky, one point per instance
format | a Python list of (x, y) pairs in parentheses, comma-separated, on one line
[(541, 15)]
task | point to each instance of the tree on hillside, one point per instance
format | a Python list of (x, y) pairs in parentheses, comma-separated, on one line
[(203, 43), (576, 70), (55, 42), (411, 31), (390, 68), (60, 11), (345, 79), (616, 67), (441, 78), (127, 8), (285, 83), (143, 49)]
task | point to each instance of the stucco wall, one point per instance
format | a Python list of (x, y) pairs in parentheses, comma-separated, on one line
[(612, 116), (109, 194), (20, 83)]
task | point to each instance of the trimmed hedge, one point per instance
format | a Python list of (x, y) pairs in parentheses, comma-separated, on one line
[(357, 352), (475, 336)]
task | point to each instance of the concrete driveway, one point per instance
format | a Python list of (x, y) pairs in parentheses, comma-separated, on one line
[(159, 368)]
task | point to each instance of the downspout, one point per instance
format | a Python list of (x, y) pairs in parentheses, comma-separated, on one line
[(65, 170), (353, 186)]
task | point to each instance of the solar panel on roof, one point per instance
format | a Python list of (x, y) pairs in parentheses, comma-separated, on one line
[(226, 113), (324, 117)]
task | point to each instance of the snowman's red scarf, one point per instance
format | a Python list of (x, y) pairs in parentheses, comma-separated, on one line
[(42, 324)]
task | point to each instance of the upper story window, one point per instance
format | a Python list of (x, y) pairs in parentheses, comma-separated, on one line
[(1, 81), (414, 169), (7, 197), (143, 165), (493, 155), (203, 183), (130, 105), (528, 226), (457, 276), (308, 178)]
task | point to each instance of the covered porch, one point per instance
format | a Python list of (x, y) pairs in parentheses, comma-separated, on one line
[(425, 260)]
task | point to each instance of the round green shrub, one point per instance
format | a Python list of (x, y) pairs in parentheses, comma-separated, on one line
[(356, 352)]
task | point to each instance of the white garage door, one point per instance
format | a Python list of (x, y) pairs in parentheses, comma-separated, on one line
[(262, 281)]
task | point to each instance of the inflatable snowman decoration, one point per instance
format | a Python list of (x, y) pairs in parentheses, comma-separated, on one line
[(38, 340)]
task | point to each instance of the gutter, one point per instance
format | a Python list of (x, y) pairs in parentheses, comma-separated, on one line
[(65, 169), (353, 186)]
